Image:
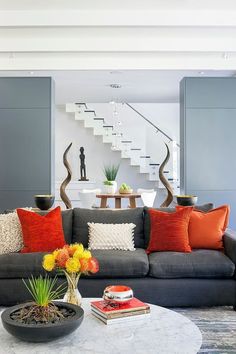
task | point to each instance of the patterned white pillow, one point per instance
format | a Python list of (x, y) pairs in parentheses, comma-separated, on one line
[(10, 233), (111, 236)]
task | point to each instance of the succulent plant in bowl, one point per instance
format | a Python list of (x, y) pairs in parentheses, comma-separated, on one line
[(42, 319)]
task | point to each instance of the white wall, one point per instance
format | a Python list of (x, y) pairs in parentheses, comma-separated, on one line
[(97, 154), (166, 117)]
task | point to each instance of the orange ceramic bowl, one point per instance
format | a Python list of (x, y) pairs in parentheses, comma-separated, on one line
[(118, 293)]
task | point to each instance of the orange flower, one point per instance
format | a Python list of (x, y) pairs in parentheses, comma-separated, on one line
[(68, 248), (93, 265), (62, 257), (75, 247), (84, 266)]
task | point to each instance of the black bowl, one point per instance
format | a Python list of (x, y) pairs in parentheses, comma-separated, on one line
[(44, 202), (186, 200), (42, 332)]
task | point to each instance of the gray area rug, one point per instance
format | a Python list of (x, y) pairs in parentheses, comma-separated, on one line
[(218, 328)]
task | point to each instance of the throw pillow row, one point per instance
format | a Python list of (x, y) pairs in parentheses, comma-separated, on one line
[(187, 228), (181, 231), (28, 232)]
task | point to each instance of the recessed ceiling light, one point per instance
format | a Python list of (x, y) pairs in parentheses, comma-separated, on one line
[(31, 72), (115, 86), (201, 72)]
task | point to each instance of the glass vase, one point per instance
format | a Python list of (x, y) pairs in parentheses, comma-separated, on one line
[(72, 294)]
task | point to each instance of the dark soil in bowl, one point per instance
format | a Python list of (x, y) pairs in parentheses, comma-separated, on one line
[(33, 315)]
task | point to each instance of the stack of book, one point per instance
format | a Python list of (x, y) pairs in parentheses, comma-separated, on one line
[(109, 312)]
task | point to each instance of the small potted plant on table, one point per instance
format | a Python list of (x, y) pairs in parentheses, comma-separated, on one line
[(111, 174)]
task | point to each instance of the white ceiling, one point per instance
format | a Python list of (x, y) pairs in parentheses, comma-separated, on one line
[(145, 46), (118, 35), (101, 4), (136, 85)]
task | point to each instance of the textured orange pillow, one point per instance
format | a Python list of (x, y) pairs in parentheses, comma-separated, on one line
[(169, 231), (206, 229), (41, 233)]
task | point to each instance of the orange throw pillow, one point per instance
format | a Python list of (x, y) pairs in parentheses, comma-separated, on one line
[(41, 233), (206, 229), (169, 231)]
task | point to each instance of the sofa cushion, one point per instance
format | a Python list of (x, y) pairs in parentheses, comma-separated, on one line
[(21, 265), (11, 239), (67, 219), (197, 264), (206, 230), (83, 216), (41, 233), (169, 231), (121, 264), (147, 222), (112, 264), (111, 236)]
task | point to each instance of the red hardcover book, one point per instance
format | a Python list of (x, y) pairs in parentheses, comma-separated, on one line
[(107, 308), (107, 320)]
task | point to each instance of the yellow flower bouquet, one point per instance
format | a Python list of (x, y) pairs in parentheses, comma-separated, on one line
[(73, 260)]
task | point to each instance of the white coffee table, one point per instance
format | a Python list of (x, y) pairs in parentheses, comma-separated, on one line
[(165, 332)]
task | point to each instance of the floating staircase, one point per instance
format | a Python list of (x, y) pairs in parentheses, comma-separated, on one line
[(128, 149)]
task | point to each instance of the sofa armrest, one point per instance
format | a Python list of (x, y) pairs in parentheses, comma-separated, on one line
[(229, 240)]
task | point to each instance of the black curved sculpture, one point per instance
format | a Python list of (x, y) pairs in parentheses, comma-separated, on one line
[(167, 185), (67, 180)]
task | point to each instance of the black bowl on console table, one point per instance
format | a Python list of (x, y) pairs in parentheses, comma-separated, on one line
[(186, 200), (44, 201), (43, 332)]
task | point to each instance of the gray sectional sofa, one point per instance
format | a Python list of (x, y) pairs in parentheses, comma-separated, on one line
[(200, 278)]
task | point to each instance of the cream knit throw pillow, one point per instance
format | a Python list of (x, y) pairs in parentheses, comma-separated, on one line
[(10, 233), (111, 236)]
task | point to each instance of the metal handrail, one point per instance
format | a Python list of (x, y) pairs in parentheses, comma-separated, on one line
[(147, 120)]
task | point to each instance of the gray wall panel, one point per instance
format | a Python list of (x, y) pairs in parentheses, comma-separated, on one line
[(182, 135), (210, 92), (24, 149), (210, 146), (26, 141), (25, 92), (207, 138), (18, 199)]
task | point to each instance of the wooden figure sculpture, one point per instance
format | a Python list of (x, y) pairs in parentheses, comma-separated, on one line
[(167, 185), (82, 165), (67, 180)]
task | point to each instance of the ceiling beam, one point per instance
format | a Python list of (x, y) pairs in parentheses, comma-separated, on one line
[(154, 34), (116, 61), (134, 17)]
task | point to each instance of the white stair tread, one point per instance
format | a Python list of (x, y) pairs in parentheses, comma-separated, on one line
[(127, 148)]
